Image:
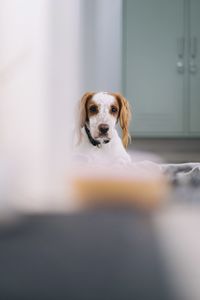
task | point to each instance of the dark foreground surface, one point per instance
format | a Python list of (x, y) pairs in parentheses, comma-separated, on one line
[(95, 255)]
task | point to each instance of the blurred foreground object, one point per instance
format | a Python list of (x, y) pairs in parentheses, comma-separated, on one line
[(40, 80), (139, 184)]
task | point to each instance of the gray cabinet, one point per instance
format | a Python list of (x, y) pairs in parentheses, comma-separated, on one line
[(162, 66), (194, 66)]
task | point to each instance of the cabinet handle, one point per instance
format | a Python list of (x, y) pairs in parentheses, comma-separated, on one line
[(181, 46), (193, 47), (193, 54), (180, 52)]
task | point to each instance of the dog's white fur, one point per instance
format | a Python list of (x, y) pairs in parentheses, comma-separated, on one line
[(113, 151)]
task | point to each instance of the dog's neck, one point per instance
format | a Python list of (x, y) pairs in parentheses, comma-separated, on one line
[(94, 142)]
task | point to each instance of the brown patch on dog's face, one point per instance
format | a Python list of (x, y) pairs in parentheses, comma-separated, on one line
[(114, 109), (92, 108)]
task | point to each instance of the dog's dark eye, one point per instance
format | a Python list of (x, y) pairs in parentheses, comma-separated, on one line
[(93, 109), (113, 109)]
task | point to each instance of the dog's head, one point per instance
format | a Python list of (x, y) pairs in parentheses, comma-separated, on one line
[(101, 111)]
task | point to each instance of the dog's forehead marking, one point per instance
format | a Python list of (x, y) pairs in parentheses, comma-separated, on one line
[(103, 98)]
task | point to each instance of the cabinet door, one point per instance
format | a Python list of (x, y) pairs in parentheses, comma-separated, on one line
[(152, 31), (194, 67)]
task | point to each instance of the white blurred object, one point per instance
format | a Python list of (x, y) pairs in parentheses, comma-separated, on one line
[(178, 228), (7, 190), (141, 156), (39, 86)]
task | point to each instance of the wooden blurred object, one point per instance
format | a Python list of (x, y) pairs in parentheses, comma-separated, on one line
[(146, 190)]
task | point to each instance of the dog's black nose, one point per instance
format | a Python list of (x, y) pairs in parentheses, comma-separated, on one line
[(103, 128)]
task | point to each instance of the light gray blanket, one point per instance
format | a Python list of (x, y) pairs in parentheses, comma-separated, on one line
[(183, 174)]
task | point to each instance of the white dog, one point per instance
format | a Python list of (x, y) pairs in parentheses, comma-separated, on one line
[(98, 138)]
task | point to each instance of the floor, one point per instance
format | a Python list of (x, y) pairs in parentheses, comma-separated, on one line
[(170, 150)]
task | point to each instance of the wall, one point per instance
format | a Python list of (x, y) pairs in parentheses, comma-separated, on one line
[(102, 45)]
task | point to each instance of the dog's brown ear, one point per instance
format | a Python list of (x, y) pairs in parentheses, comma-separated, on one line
[(83, 108), (124, 117), (82, 114)]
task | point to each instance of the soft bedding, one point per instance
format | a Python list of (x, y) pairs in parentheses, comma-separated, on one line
[(183, 174), (185, 179)]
